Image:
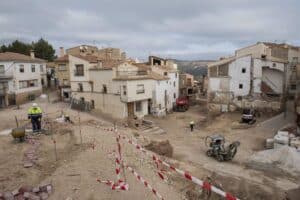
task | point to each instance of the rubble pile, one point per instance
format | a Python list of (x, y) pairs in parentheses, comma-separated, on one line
[(41, 192), (30, 156), (163, 148), (283, 138), (284, 157)]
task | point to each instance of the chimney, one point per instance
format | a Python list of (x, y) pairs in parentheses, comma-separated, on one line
[(32, 54), (61, 51)]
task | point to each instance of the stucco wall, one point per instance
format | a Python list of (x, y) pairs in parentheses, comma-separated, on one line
[(237, 77), (12, 69), (107, 103), (275, 75), (255, 50)]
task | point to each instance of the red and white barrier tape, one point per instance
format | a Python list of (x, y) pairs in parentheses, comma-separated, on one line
[(120, 184), (188, 176), (146, 184)]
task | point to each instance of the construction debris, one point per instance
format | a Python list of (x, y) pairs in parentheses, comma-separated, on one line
[(163, 148), (30, 156), (285, 157), (41, 192)]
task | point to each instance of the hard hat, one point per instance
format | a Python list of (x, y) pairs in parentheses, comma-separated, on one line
[(34, 105)]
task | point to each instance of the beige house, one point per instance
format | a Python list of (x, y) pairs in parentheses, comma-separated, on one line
[(21, 78), (62, 74), (118, 88), (186, 85)]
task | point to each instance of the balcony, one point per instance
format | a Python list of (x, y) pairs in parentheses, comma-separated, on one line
[(131, 73)]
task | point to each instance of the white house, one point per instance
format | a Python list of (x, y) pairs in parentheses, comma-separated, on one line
[(119, 88), (21, 77), (166, 91), (246, 81)]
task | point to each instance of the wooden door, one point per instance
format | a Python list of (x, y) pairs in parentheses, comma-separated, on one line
[(130, 109)]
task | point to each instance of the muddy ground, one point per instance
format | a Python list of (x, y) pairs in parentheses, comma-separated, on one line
[(78, 164)]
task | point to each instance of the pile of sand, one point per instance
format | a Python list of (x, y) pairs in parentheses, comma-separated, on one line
[(285, 157), (163, 148)]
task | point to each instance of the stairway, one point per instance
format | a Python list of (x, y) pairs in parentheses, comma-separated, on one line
[(149, 127)]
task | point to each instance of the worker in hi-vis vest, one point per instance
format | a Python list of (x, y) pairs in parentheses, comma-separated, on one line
[(35, 114), (192, 125)]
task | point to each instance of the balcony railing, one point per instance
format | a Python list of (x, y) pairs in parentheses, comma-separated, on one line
[(140, 91), (131, 73), (78, 73)]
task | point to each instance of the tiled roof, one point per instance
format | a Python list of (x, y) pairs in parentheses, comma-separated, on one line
[(64, 58), (11, 56), (89, 58)]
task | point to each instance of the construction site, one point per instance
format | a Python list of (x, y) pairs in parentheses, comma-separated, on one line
[(81, 155)]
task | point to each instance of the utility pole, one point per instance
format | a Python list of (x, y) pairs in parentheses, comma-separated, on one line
[(285, 91)]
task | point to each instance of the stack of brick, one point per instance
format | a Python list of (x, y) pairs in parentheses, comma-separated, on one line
[(41, 192)]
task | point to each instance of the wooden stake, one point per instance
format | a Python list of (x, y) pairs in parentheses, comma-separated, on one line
[(54, 142), (80, 129), (17, 121)]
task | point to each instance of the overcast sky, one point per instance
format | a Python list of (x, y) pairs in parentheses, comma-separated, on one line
[(185, 29)]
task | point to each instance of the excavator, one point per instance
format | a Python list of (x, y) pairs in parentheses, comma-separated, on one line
[(218, 150)]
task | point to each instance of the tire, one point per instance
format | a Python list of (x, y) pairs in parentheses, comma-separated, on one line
[(209, 153), (220, 158)]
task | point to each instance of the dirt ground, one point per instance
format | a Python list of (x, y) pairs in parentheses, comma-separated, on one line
[(78, 165), (246, 183)]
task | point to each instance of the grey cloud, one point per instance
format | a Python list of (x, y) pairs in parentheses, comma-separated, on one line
[(190, 29)]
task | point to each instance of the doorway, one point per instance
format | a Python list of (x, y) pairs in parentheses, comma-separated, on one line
[(130, 109)]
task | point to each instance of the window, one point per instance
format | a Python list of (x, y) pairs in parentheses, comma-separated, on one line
[(174, 95), (175, 75), (82, 99), (22, 84), (27, 84), (33, 83), (293, 86), (244, 70), (65, 81), (138, 106), (174, 83), (166, 73), (80, 87), (140, 89), (159, 106), (2, 69), (41, 68), (274, 64), (124, 90), (79, 70), (42, 82), (21, 68), (62, 67), (32, 68), (295, 60), (104, 89), (241, 86)]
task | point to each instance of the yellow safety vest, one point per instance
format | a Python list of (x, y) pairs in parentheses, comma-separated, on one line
[(34, 111)]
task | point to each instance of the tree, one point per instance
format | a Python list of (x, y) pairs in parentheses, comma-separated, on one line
[(17, 47), (43, 50)]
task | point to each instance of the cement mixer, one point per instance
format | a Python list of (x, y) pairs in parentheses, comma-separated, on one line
[(218, 150), (18, 134)]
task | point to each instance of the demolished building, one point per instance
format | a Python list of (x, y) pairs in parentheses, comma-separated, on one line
[(246, 80)]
